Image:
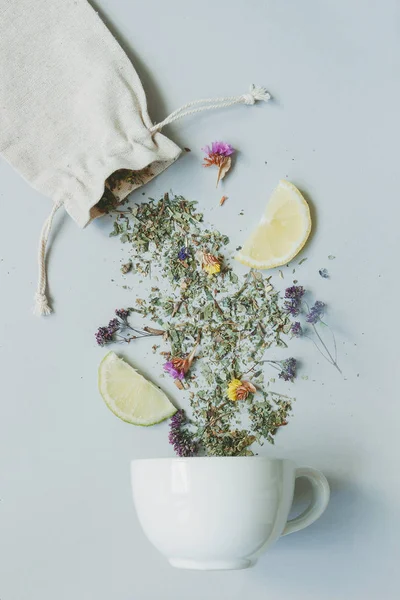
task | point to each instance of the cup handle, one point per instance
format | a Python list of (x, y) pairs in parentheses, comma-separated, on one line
[(321, 493)]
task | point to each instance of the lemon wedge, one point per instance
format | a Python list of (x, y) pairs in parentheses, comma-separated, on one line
[(129, 395), (282, 231)]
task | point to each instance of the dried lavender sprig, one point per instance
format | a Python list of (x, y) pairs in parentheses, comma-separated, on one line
[(313, 317), (296, 329), (179, 436), (287, 368), (293, 304), (294, 295), (316, 312), (116, 327), (331, 359)]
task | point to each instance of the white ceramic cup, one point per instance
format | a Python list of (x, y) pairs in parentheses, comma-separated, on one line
[(220, 513)]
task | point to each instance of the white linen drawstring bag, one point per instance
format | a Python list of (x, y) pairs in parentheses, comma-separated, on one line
[(73, 114)]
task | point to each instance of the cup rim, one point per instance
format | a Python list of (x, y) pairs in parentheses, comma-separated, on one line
[(191, 459)]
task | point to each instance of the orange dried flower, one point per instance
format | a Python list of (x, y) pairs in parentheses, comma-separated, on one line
[(239, 390)]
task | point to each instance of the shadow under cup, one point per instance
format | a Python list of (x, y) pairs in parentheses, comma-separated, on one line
[(219, 512)]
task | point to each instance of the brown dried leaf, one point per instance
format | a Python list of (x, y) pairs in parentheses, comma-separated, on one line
[(224, 168), (154, 331), (176, 307), (223, 200)]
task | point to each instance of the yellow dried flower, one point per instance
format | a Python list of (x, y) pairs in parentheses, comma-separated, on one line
[(239, 390), (212, 269), (210, 263), (232, 389)]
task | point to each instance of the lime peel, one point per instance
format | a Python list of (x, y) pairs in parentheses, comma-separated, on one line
[(129, 395)]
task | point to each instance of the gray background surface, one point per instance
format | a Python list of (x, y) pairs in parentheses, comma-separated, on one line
[(67, 525)]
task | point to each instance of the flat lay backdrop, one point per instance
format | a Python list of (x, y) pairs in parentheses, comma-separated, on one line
[(67, 524)]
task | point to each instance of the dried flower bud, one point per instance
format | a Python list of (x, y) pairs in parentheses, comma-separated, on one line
[(178, 367), (126, 268), (239, 390), (210, 263), (244, 390)]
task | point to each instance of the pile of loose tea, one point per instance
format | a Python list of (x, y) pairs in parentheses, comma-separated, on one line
[(220, 328)]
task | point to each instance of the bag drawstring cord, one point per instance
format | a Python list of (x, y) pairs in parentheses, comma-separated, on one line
[(255, 93), (42, 306)]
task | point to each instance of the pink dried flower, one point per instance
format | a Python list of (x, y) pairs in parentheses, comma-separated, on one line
[(176, 373), (220, 148), (219, 155), (178, 367)]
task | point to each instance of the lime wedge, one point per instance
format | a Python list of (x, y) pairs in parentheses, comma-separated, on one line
[(129, 395), (282, 232)]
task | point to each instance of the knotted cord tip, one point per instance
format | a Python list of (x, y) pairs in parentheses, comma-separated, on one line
[(256, 92), (41, 307)]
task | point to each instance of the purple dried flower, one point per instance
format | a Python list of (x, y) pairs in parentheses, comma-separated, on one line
[(295, 291), (103, 336), (117, 327), (316, 312), (114, 325), (221, 148), (180, 438), (173, 371), (292, 307), (296, 329), (289, 367), (122, 313), (294, 295), (112, 328), (183, 253)]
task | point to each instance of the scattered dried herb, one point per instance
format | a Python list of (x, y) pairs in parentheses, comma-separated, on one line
[(239, 320)]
